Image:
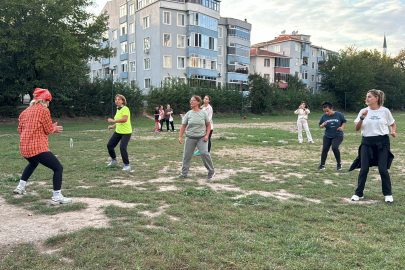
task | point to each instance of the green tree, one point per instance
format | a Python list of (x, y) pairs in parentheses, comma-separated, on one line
[(260, 92), (46, 43)]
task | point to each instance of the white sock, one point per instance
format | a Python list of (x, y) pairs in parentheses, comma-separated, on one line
[(56, 194), (22, 184)]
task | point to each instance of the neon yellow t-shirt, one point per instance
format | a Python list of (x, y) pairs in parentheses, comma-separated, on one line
[(123, 128)]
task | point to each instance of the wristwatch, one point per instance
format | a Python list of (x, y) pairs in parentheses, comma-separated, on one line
[(361, 118)]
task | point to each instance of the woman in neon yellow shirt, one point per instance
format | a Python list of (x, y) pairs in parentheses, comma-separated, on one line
[(123, 131)]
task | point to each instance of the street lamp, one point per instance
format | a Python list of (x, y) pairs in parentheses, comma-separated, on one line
[(112, 92)]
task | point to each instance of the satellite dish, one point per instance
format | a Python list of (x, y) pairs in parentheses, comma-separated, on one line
[(293, 32), (283, 32)]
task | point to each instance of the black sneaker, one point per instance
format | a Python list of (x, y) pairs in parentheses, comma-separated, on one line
[(339, 167), (321, 167), (211, 175)]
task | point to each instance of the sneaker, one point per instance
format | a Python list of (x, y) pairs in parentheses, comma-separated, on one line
[(112, 163), (127, 168), (311, 141), (60, 200), (339, 167), (389, 198), (168, 130), (300, 142), (174, 130), (182, 176), (20, 191), (211, 175), (321, 167), (356, 198), (197, 152)]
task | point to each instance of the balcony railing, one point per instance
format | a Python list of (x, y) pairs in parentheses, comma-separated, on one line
[(212, 4)]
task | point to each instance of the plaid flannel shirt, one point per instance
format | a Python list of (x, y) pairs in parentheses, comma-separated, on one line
[(35, 126)]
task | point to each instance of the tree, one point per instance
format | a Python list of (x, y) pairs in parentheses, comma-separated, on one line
[(400, 60), (260, 93), (46, 43)]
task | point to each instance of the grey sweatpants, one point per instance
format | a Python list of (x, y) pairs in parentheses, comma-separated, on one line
[(188, 153)]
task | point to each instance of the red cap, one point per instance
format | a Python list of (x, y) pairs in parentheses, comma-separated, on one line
[(42, 94)]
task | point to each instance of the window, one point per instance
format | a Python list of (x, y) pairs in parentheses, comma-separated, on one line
[(313, 78), (181, 19), (219, 50), (166, 40), (203, 21), (146, 43), (123, 27), (297, 61), (166, 61), (267, 77), (203, 61), (131, 9), (236, 31), (114, 35), (166, 17), (94, 73), (276, 48), (181, 62), (313, 65), (266, 62), (147, 83), (181, 41), (219, 68), (297, 47), (305, 75), (282, 62), (239, 50), (115, 70), (146, 22), (131, 28), (99, 72), (123, 10), (124, 47), (202, 41), (132, 66), (132, 47), (146, 64), (281, 77), (238, 67), (124, 66), (220, 32), (313, 53)]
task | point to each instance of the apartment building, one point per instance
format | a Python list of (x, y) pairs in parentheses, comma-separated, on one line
[(158, 40), (305, 58), (272, 66)]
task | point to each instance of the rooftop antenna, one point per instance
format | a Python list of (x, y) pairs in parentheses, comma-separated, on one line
[(293, 32)]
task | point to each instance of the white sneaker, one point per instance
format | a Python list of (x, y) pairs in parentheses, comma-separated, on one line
[(113, 163), (311, 141), (389, 198), (20, 191), (127, 168), (60, 200), (356, 198)]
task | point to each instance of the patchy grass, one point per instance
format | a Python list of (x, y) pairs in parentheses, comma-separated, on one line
[(267, 207)]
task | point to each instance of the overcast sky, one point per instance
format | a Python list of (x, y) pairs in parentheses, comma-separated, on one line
[(333, 24)]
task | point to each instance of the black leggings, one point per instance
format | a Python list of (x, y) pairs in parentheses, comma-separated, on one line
[(161, 124), (209, 141), (167, 124), (48, 159), (327, 142), (112, 143)]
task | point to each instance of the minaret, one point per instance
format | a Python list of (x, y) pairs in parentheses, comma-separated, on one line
[(384, 49)]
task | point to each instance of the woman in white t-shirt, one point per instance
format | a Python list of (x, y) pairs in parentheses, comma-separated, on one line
[(303, 111), (375, 144), (207, 108)]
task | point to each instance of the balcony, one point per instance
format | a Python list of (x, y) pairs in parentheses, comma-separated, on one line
[(201, 72), (124, 75), (304, 81), (123, 38), (105, 44), (320, 59), (304, 68), (304, 54), (123, 57), (105, 61)]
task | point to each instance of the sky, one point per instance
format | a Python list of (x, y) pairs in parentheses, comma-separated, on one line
[(332, 24)]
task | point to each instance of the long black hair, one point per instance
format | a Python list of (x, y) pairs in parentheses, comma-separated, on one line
[(306, 104)]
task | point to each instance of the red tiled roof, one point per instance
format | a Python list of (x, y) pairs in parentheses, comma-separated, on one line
[(279, 39), (258, 52)]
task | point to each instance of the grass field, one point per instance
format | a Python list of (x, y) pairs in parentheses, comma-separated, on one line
[(267, 208)]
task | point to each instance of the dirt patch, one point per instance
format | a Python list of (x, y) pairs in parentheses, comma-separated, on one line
[(159, 212), (167, 188), (281, 194), (347, 200), (137, 138), (17, 226), (287, 126)]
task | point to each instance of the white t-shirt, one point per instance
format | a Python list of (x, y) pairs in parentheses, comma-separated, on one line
[(302, 113), (209, 111), (376, 122)]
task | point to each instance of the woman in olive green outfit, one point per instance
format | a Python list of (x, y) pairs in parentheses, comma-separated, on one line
[(123, 131)]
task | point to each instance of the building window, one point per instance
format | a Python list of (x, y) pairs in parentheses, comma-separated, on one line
[(132, 47), (313, 65), (181, 41), (282, 62), (147, 83), (276, 48), (131, 29), (219, 68), (124, 47), (297, 47), (131, 9), (236, 31), (281, 77), (220, 32), (203, 41), (167, 61), (313, 53), (146, 43), (266, 62), (297, 61), (313, 78), (123, 28), (181, 62), (239, 50), (124, 66), (267, 77), (181, 19), (146, 64), (202, 20), (123, 10), (219, 50), (132, 66), (114, 35), (305, 75), (146, 22), (237, 67), (166, 17), (166, 40)]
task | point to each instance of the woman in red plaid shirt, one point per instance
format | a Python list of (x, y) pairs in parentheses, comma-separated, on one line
[(35, 126)]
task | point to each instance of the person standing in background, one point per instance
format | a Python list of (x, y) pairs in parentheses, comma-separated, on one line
[(162, 117), (303, 111), (156, 114), (208, 109), (169, 118)]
